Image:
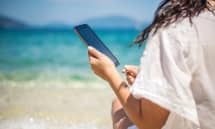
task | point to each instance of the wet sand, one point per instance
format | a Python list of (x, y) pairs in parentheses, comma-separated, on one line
[(54, 107)]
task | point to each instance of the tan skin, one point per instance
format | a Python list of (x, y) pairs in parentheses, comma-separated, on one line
[(143, 113), (119, 118), (212, 2)]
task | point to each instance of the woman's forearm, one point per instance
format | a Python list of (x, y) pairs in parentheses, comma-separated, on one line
[(143, 113), (131, 106)]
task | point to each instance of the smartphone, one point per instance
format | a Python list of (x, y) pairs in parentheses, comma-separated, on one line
[(89, 37)]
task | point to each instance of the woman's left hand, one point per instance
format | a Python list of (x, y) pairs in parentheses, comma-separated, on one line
[(101, 64)]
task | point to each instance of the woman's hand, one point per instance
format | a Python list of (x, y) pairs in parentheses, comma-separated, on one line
[(101, 64), (131, 72)]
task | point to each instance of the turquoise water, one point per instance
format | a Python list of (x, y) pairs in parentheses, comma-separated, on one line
[(46, 55), (40, 58)]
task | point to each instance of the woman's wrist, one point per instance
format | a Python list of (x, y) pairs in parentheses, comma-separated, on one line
[(115, 80)]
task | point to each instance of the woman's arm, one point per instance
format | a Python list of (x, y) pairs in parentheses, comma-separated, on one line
[(143, 113)]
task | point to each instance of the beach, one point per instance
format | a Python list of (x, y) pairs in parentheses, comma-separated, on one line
[(55, 107), (46, 81)]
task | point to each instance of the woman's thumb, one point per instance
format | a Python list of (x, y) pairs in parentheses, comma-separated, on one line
[(131, 69), (93, 52)]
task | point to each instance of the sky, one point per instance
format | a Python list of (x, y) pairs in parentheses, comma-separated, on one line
[(41, 12)]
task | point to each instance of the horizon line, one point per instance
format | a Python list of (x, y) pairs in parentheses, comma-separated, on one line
[(71, 24)]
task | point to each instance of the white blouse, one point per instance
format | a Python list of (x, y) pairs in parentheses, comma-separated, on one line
[(177, 72)]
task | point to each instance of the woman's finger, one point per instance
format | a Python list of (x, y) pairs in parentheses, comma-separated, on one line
[(131, 69), (130, 66), (92, 60), (130, 79), (93, 52), (124, 70), (129, 73)]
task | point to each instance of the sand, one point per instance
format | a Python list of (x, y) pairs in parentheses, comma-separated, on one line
[(55, 107)]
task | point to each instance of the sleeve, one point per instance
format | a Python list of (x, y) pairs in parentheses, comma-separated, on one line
[(164, 78)]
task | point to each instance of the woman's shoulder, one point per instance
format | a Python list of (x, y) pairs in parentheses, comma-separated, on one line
[(182, 30), (208, 15), (178, 36), (187, 25), (181, 27)]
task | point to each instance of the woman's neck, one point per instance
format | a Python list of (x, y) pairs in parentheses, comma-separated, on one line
[(212, 2)]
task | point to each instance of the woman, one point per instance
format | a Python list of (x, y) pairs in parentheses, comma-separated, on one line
[(174, 87)]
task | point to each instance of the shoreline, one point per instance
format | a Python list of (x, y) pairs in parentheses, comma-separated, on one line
[(61, 105)]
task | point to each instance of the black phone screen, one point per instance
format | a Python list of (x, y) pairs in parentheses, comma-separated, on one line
[(90, 38)]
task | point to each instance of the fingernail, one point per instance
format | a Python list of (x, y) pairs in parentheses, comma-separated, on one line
[(89, 47), (123, 70)]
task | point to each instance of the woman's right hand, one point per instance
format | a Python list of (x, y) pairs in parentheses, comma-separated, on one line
[(131, 72)]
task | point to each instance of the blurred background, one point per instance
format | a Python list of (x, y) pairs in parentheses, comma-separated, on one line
[(45, 79)]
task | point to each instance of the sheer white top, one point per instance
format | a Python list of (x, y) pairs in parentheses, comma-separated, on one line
[(177, 71)]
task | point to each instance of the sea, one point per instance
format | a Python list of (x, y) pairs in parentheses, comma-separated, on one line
[(46, 81), (44, 55)]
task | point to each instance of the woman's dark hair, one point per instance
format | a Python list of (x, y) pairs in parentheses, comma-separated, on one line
[(170, 11)]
